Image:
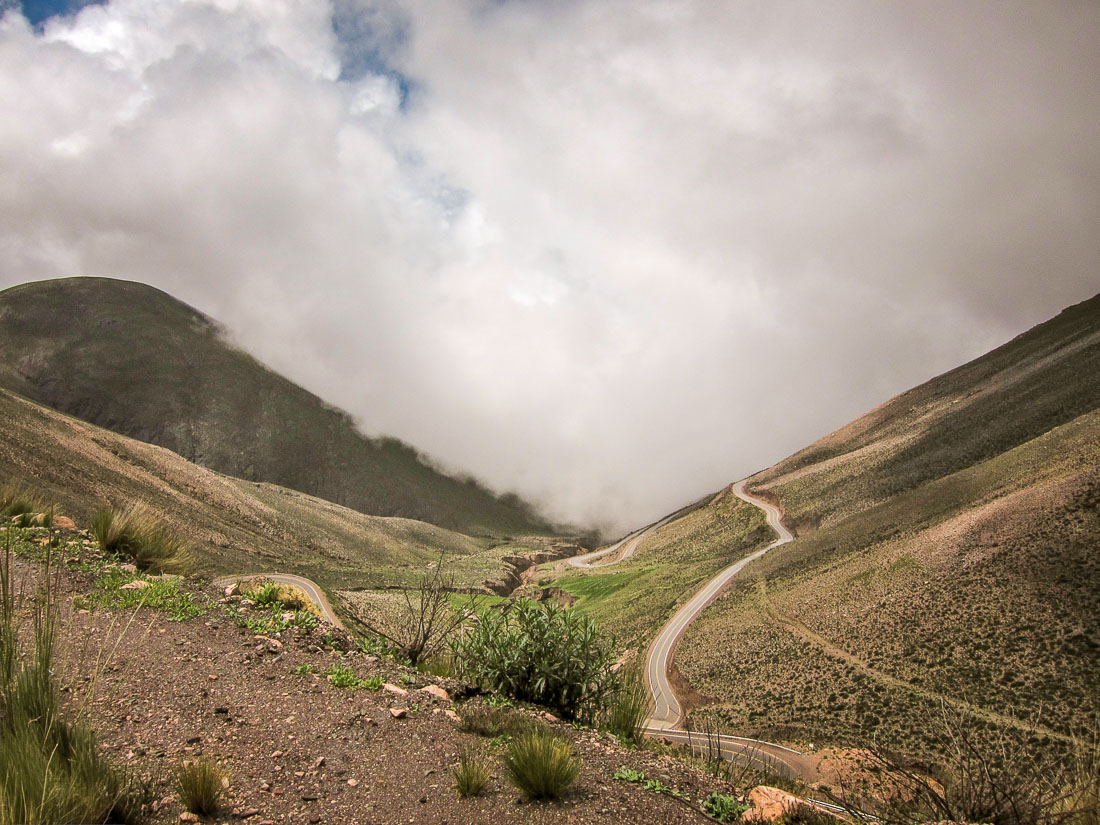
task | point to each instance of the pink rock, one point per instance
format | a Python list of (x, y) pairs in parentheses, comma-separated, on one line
[(399, 713), (436, 691), (395, 690)]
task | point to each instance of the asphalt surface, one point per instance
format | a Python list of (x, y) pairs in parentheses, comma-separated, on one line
[(628, 545), (308, 587), (668, 712)]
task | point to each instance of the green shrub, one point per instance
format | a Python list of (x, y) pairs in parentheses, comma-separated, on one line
[(266, 595), (723, 807), (471, 773), (539, 653), (343, 676), (137, 535), (374, 682), (629, 708), (160, 594), (625, 774), (200, 786), (541, 765)]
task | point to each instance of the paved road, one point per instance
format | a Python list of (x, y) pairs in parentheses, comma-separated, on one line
[(308, 587), (628, 545), (667, 712)]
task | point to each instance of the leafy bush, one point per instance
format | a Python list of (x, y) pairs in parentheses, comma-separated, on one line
[(539, 653), (343, 676), (265, 595), (373, 682), (200, 786), (137, 535), (629, 708), (471, 773), (723, 807), (541, 765)]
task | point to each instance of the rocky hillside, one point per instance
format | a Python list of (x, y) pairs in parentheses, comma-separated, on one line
[(130, 358)]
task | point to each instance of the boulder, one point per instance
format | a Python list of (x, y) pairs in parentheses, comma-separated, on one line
[(137, 584), (769, 804), (64, 523)]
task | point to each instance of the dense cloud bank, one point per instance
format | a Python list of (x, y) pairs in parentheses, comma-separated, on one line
[(612, 254)]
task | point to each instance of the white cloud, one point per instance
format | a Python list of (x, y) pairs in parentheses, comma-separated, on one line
[(614, 254)]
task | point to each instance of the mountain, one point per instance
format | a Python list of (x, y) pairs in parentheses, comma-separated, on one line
[(946, 560), (237, 526), (131, 358)]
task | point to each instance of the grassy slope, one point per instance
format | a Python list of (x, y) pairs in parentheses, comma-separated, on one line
[(947, 552), (634, 598), (236, 525), (132, 359)]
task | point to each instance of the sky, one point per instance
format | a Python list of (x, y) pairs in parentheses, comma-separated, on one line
[(611, 254)]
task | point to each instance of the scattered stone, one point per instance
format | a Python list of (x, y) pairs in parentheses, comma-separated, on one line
[(549, 717), (136, 584), (454, 717), (310, 797), (194, 740), (352, 783), (249, 813), (221, 711), (233, 590), (213, 677), (318, 763), (399, 713), (769, 804), (64, 523), (395, 690), (187, 816), (436, 691)]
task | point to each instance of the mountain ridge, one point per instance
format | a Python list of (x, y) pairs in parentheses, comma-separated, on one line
[(132, 358)]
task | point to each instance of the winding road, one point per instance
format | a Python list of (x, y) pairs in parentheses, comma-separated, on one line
[(668, 712), (305, 585), (629, 545)]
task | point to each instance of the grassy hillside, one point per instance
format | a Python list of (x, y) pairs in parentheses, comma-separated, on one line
[(634, 598), (236, 526), (132, 359), (947, 556)]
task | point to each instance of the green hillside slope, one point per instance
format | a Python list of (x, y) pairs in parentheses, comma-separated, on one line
[(235, 526), (948, 555), (132, 359)]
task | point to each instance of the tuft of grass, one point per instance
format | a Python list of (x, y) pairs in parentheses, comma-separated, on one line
[(541, 765), (51, 769), (303, 670), (471, 773), (497, 723), (18, 501), (136, 534), (200, 784), (628, 708)]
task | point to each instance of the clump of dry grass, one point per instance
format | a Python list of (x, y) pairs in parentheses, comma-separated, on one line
[(137, 534)]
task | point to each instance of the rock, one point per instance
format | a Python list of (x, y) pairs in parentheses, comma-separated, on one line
[(769, 804), (454, 717), (274, 645), (318, 763), (137, 584), (399, 713), (233, 590), (64, 523), (436, 691), (353, 783), (549, 717), (395, 690), (129, 568), (187, 816), (288, 616), (249, 813), (247, 603)]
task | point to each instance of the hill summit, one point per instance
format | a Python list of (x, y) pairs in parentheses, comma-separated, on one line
[(133, 359)]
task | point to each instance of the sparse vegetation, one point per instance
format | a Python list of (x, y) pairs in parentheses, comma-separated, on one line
[(342, 676), (472, 772), (200, 783), (497, 723), (51, 769), (724, 807), (541, 765), (986, 777), (137, 535), (165, 594), (539, 653)]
